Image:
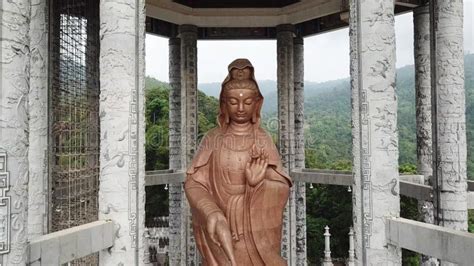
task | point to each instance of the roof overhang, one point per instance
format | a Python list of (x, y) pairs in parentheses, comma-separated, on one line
[(309, 17)]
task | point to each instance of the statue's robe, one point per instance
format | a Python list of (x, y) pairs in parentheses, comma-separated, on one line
[(216, 182)]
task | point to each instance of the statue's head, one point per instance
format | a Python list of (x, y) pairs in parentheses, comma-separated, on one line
[(240, 98)]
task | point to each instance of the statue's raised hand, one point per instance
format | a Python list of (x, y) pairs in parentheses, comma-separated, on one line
[(219, 232), (256, 167)]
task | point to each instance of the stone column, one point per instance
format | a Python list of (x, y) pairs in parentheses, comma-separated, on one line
[(175, 190), (122, 123), (300, 188), (449, 130), (355, 122), (14, 89), (377, 121), (189, 124), (285, 83), (421, 22), (38, 120)]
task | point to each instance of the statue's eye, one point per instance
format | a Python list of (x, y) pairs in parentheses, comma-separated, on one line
[(248, 101), (233, 101)]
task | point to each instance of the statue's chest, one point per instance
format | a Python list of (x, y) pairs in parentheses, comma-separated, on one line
[(233, 157)]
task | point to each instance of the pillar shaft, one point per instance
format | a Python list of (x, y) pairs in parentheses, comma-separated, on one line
[(355, 121), (175, 190), (424, 151), (189, 129), (14, 87), (122, 175), (38, 121), (377, 121), (300, 188), (285, 83), (449, 114), (421, 20)]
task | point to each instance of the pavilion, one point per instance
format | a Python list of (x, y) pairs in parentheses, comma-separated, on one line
[(72, 121)]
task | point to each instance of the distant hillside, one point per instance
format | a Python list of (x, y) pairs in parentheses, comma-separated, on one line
[(328, 116)]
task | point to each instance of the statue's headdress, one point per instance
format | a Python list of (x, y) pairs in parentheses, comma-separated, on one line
[(240, 63)]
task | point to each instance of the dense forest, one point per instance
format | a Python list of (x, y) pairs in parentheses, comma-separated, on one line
[(327, 146)]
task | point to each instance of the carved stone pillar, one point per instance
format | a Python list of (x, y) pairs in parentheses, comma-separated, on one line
[(189, 129), (38, 122), (122, 123), (424, 151), (449, 130), (175, 190), (355, 121), (377, 162), (14, 87), (285, 83), (300, 188)]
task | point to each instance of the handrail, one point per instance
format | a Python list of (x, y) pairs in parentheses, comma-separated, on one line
[(69, 244), (160, 177), (410, 185), (439, 242)]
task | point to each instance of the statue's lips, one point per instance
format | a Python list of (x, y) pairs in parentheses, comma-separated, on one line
[(241, 115)]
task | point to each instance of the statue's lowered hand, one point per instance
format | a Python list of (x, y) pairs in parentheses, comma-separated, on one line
[(219, 232)]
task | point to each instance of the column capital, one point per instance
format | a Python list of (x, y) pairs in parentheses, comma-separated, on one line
[(174, 41), (187, 28), (298, 40), (285, 27), (422, 10)]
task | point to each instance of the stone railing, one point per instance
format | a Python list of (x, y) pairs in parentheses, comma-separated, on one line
[(73, 243), (432, 240)]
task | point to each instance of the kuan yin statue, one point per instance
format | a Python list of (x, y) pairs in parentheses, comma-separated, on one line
[(236, 185)]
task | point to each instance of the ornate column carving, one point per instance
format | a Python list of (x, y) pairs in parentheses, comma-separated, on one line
[(38, 120), (355, 121), (377, 161), (189, 129), (300, 188), (424, 151), (175, 190), (286, 136), (14, 126), (449, 129), (122, 123)]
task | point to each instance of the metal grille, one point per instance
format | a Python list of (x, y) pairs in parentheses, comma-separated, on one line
[(74, 112)]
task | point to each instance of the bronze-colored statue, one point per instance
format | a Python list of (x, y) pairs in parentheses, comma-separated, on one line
[(236, 186)]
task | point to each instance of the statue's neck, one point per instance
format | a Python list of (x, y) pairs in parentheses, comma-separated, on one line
[(240, 129)]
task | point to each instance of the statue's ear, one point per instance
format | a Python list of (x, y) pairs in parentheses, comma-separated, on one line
[(258, 107)]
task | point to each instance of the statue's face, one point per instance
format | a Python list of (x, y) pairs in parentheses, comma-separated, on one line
[(241, 104), (240, 74)]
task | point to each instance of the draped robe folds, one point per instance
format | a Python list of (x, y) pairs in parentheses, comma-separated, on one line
[(254, 213)]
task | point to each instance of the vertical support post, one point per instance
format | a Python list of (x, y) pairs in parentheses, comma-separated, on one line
[(355, 121), (122, 175), (377, 129), (175, 190), (300, 187), (327, 247), (449, 121), (351, 259), (189, 124), (38, 120), (424, 151), (285, 83), (14, 77)]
